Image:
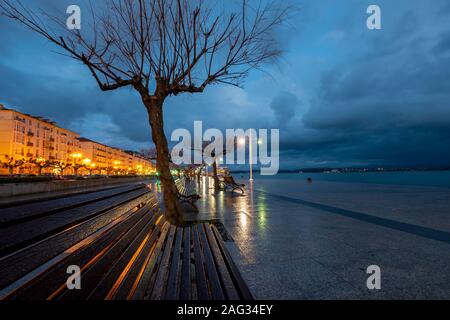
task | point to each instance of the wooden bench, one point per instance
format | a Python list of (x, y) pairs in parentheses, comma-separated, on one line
[(187, 192), (228, 182), (129, 252)]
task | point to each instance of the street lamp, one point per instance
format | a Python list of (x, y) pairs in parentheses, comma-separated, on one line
[(250, 153)]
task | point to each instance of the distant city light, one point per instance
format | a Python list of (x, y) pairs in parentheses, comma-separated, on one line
[(76, 155)]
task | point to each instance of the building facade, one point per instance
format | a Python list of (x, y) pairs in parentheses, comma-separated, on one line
[(104, 159), (28, 142)]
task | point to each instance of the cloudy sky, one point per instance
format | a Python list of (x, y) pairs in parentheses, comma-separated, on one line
[(342, 95)]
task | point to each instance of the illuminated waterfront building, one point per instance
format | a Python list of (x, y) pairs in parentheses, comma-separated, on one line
[(31, 139)]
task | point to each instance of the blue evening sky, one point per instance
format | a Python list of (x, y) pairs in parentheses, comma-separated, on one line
[(341, 95)]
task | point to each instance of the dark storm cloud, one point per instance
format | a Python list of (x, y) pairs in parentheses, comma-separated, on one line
[(284, 106), (391, 109), (443, 46)]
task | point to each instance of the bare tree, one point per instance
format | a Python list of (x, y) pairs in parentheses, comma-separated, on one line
[(76, 168), (148, 153), (162, 48), (10, 163), (41, 164), (62, 165)]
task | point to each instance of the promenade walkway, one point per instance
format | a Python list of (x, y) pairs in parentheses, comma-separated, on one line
[(316, 241)]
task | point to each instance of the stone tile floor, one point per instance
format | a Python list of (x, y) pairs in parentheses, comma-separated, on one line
[(316, 242)]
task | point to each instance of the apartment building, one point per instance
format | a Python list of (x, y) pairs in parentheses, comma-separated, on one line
[(104, 159), (30, 138), (27, 137)]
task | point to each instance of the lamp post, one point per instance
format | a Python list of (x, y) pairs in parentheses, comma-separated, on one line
[(250, 154)]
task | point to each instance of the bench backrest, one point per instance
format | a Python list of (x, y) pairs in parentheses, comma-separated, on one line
[(229, 179)]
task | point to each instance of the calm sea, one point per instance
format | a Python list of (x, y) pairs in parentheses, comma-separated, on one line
[(412, 178)]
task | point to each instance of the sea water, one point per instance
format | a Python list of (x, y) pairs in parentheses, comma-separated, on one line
[(410, 178)]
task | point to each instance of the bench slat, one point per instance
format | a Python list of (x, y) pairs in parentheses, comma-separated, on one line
[(20, 213), (230, 290), (19, 264), (174, 276), (186, 282), (127, 288), (19, 236), (119, 241), (216, 288), (108, 285), (163, 269), (145, 285), (200, 272), (239, 282), (50, 282)]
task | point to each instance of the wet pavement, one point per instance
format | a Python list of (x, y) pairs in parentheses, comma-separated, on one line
[(296, 240)]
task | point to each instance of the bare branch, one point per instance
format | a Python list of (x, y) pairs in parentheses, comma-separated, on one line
[(185, 45)]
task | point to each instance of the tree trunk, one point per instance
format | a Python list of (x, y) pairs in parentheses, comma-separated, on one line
[(172, 208), (199, 174), (216, 177), (11, 170)]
